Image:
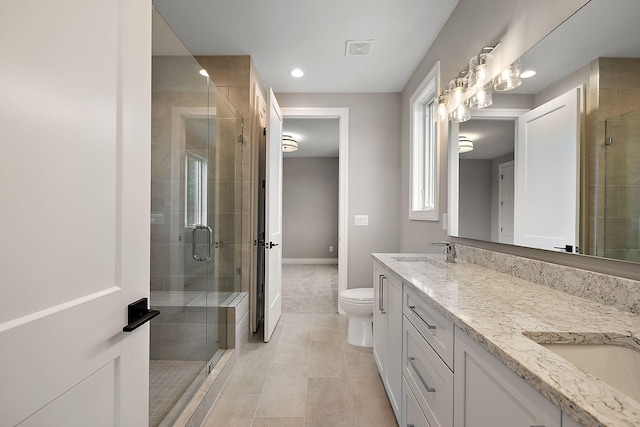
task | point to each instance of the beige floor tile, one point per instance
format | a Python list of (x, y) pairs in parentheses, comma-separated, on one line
[(232, 411), (290, 355), (283, 397), (374, 411), (246, 381), (326, 359), (329, 403), (329, 327), (278, 422), (300, 372)]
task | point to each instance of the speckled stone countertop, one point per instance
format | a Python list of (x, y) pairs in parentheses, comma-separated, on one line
[(505, 314)]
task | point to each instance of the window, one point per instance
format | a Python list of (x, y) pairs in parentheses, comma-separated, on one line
[(195, 194), (424, 152)]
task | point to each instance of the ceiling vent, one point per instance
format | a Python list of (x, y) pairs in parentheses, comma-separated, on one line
[(358, 48)]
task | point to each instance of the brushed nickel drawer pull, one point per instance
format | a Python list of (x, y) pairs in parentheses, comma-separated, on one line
[(413, 308), (381, 299), (424, 383)]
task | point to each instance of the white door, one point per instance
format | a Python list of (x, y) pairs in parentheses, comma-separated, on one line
[(74, 187), (505, 208), (546, 183), (273, 219)]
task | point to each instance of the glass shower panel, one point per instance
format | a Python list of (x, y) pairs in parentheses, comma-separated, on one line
[(194, 155), (622, 187)]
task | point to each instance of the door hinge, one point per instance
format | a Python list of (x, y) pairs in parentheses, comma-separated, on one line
[(501, 176), (239, 271), (264, 131), (240, 138), (501, 203)]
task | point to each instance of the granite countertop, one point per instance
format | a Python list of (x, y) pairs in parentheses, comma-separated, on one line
[(503, 314)]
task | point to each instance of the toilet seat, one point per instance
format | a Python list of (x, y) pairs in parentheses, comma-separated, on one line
[(357, 296)]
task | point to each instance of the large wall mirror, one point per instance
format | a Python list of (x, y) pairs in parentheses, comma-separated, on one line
[(570, 183)]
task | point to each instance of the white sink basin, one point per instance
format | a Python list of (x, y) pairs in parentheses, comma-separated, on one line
[(615, 365)]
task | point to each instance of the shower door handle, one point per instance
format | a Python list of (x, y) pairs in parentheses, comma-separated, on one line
[(209, 242)]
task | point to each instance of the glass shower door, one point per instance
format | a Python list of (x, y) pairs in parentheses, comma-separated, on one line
[(622, 188), (195, 230)]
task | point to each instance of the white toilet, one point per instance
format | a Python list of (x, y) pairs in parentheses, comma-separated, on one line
[(358, 304)]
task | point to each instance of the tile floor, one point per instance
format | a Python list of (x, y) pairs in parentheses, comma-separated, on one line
[(306, 375), (168, 380)]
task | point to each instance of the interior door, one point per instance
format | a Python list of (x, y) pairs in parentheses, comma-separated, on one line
[(273, 219), (74, 169), (546, 168)]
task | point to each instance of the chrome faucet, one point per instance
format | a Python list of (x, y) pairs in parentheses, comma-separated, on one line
[(448, 250)]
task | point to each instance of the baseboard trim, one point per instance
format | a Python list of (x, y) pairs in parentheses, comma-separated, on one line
[(310, 261)]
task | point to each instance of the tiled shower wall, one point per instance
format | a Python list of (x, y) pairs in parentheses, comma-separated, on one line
[(615, 185)]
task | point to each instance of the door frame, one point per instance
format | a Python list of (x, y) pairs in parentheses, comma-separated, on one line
[(453, 161), (342, 114)]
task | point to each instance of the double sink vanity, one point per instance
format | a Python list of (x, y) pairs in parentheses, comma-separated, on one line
[(458, 344)]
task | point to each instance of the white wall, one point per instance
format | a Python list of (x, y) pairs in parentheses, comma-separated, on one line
[(309, 207), (374, 172)]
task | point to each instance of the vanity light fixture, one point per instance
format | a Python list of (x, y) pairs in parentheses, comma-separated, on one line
[(464, 144), (509, 78), (441, 109), (458, 90), (480, 81), (296, 72), (461, 113), (203, 73), (289, 144)]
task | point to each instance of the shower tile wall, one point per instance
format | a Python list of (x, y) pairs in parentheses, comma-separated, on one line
[(615, 90), (232, 75)]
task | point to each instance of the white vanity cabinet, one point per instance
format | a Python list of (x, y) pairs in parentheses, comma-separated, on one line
[(487, 393), (427, 339), (387, 335)]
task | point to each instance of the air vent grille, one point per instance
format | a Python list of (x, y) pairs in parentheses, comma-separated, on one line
[(358, 47)]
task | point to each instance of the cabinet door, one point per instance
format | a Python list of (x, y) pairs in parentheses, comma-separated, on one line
[(379, 320), (394, 341), (487, 393)]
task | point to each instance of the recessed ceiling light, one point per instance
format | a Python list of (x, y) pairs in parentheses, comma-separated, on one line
[(527, 74), (204, 73), (296, 72)]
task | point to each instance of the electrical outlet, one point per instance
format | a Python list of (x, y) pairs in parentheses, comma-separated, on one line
[(330, 248)]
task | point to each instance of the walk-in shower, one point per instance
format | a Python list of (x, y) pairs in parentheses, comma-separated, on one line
[(622, 187), (195, 229)]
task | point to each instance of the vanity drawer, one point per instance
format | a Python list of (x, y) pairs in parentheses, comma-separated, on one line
[(433, 326), (428, 377), (411, 413)]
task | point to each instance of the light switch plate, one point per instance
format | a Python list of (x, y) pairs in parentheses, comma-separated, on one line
[(362, 219)]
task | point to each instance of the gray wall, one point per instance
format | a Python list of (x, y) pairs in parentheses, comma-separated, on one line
[(374, 172), (475, 199), (310, 207)]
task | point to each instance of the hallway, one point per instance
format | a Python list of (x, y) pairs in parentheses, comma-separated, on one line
[(307, 375)]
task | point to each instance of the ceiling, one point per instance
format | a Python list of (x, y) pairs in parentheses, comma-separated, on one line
[(316, 137), (288, 34), (491, 138)]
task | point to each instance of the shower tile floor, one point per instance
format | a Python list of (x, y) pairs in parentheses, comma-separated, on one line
[(306, 375), (168, 380)]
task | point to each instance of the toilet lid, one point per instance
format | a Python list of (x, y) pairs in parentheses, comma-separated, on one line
[(358, 294)]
